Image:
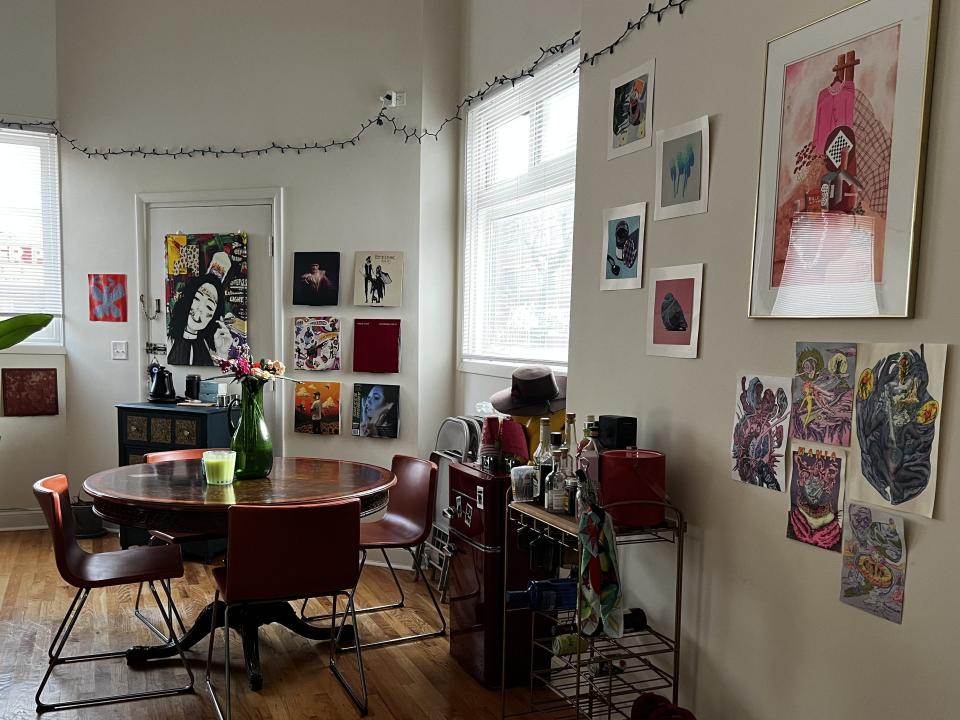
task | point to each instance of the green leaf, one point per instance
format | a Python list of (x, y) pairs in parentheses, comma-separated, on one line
[(17, 329)]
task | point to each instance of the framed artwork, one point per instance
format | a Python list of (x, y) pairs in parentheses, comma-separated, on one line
[(316, 408), (378, 278), (206, 292), (631, 111), (673, 312), (29, 391), (108, 298), (621, 263), (683, 169), (316, 343), (761, 415), (316, 278), (842, 156)]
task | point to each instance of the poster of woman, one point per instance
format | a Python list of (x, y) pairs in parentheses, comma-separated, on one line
[(376, 410)]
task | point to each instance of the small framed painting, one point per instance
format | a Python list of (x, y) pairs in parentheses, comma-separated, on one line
[(673, 313), (631, 111), (621, 262), (842, 154), (683, 169)]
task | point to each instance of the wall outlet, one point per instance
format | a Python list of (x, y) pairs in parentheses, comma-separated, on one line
[(118, 350), (394, 98)]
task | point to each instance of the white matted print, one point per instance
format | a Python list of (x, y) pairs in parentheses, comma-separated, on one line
[(631, 111), (378, 278), (673, 311), (621, 261), (683, 169)]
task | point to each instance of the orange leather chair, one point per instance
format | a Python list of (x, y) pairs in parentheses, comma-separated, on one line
[(107, 569), (405, 526), (264, 565)]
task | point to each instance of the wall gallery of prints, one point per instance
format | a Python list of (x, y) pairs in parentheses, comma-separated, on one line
[(850, 433)]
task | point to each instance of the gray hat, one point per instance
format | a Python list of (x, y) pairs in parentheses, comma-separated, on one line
[(534, 390)]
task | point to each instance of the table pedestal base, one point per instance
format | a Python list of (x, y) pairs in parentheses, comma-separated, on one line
[(246, 620)]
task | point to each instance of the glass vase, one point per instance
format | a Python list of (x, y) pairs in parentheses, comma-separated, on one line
[(251, 438)]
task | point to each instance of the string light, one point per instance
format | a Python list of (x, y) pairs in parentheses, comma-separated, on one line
[(381, 120)]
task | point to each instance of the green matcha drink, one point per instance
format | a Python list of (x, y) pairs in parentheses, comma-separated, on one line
[(218, 466)]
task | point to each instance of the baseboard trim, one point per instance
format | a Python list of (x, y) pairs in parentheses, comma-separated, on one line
[(21, 520)]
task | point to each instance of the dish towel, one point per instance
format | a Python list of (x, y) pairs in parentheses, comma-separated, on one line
[(601, 601)]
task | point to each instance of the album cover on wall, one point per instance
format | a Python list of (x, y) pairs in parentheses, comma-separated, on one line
[(378, 278), (316, 343), (376, 346), (376, 410), (316, 408), (316, 278)]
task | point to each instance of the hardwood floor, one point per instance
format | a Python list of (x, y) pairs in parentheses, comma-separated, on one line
[(416, 680)]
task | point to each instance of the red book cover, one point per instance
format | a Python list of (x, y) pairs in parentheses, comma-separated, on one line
[(376, 346)]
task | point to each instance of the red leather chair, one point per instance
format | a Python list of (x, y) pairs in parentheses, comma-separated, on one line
[(264, 544), (405, 525), (169, 537), (85, 572)]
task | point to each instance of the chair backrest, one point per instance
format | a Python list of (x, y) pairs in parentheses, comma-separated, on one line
[(282, 552), (414, 497), (53, 495), (168, 455)]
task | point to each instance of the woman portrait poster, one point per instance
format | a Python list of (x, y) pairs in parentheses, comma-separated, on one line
[(206, 292), (376, 410)]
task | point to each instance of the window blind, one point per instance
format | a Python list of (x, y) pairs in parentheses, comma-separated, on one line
[(520, 165), (30, 274)]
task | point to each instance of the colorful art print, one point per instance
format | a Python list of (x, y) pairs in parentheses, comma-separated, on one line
[(621, 262), (760, 431), (898, 396), (108, 298), (673, 313), (378, 278), (206, 291), (823, 393), (29, 391), (316, 408), (316, 343), (376, 410), (841, 163), (816, 496), (683, 169), (316, 278), (874, 562), (631, 111)]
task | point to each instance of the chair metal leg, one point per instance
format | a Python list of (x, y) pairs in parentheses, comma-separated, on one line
[(361, 611), (226, 664), (360, 702), (171, 610), (60, 640)]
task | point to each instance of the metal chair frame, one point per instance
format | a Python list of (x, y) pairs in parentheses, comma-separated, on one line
[(171, 609), (60, 640)]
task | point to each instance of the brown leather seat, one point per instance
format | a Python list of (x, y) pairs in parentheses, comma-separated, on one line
[(86, 571)]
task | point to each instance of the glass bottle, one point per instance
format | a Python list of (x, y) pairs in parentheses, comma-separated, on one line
[(589, 463), (553, 497), (543, 459), (570, 433), (586, 434)]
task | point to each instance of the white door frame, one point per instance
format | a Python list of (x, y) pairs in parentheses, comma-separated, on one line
[(272, 196)]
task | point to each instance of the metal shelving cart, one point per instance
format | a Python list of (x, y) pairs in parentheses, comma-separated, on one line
[(584, 683)]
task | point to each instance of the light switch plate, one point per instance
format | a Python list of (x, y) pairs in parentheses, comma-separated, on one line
[(118, 349)]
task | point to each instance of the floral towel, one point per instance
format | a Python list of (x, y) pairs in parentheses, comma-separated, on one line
[(601, 601)]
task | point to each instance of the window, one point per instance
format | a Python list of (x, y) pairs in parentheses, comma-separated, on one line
[(521, 151), (30, 277)]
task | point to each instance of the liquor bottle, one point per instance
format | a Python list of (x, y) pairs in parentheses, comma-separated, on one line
[(570, 433), (547, 595), (543, 459), (586, 434), (556, 485), (590, 465)]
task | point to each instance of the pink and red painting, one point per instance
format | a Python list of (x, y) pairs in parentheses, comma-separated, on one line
[(108, 298), (29, 391)]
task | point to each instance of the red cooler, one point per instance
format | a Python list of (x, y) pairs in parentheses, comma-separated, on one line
[(633, 475)]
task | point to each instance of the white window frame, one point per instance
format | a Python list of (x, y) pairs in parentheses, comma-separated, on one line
[(493, 368)]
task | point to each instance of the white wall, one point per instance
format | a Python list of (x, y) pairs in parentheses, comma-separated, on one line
[(28, 83)]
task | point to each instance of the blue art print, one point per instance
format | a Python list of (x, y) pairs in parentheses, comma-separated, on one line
[(823, 393), (874, 562), (759, 431), (623, 247)]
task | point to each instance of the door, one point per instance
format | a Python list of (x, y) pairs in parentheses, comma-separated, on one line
[(256, 219)]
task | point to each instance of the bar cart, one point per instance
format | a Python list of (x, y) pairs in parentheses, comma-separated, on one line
[(602, 676)]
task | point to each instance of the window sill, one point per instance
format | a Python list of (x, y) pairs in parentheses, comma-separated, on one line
[(35, 350), (500, 369)]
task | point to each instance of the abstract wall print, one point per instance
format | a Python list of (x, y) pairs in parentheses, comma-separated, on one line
[(621, 261), (673, 311), (683, 169), (378, 278), (841, 163), (631, 111), (898, 402), (874, 562), (376, 410), (761, 415), (108, 298), (206, 290), (316, 343), (823, 392), (816, 495), (29, 391), (316, 408), (316, 278)]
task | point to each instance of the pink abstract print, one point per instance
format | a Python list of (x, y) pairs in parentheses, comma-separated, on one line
[(815, 498)]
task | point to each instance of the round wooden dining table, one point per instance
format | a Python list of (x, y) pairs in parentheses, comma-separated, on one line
[(173, 497)]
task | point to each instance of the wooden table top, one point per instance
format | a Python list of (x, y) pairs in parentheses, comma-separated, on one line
[(178, 485)]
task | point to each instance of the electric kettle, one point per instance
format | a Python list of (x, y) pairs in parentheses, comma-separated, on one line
[(161, 384)]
